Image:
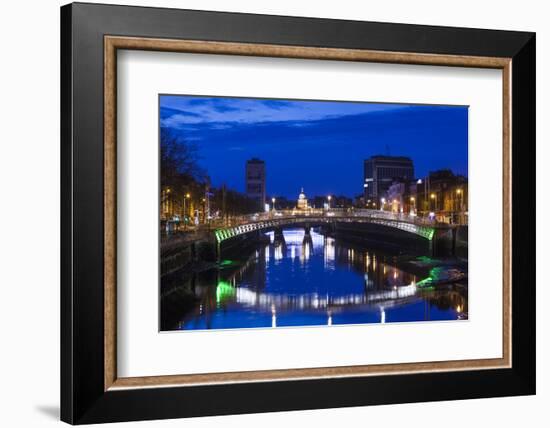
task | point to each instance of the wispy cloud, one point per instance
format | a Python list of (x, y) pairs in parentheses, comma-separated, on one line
[(180, 111)]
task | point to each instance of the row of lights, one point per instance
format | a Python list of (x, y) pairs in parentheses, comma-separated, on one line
[(187, 195), (412, 199), (329, 197)]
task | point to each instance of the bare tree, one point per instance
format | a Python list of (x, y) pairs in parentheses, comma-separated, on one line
[(179, 168)]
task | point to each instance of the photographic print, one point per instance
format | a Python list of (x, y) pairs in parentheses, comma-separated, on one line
[(290, 213)]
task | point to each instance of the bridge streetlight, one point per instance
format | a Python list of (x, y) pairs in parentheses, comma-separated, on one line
[(329, 198), (273, 202)]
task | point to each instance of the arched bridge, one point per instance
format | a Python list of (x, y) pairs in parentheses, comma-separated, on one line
[(288, 218)]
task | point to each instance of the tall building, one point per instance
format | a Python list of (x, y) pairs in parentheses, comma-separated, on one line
[(380, 172), (255, 181)]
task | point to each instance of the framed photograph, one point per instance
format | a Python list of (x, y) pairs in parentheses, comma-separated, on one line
[(265, 213)]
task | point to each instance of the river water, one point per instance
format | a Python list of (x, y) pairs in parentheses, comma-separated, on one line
[(314, 280)]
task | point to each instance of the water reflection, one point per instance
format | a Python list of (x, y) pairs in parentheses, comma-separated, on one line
[(312, 279)]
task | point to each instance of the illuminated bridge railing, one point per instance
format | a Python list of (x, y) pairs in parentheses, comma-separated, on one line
[(333, 212), (260, 223)]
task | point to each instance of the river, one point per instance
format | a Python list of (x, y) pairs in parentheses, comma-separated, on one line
[(315, 280)]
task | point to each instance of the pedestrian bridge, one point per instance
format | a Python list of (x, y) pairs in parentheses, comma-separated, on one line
[(312, 218)]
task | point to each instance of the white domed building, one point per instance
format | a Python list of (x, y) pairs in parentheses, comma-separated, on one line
[(302, 201)]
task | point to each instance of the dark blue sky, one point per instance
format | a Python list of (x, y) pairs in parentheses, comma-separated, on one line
[(319, 145)]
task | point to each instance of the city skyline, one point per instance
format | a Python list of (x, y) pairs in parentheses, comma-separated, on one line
[(304, 142)]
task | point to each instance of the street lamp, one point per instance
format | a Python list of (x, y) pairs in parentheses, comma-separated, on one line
[(186, 196), (273, 202), (168, 209), (383, 201), (329, 197), (413, 205)]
